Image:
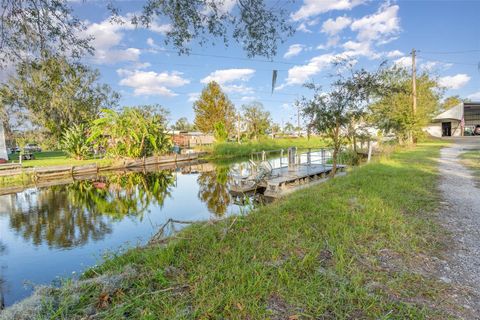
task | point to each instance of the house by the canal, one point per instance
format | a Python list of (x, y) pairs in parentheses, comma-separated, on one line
[(455, 122), (191, 139)]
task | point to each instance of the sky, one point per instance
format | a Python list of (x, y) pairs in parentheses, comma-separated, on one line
[(136, 62)]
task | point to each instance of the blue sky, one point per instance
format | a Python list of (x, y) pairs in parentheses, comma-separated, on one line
[(136, 63)]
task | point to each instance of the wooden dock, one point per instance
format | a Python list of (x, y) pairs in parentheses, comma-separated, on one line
[(274, 182), (284, 178)]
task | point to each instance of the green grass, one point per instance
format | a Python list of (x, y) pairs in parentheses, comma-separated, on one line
[(54, 158), (233, 149), (472, 160), (341, 250)]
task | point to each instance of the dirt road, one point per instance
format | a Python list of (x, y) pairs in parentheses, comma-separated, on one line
[(460, 214)]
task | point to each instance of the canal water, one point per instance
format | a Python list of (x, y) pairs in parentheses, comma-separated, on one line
[(50, 233)]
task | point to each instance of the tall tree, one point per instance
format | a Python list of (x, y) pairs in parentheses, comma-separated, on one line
[(257, 120), (393, 113), (54, 94), (212, 107), (31, 28), (450, 102), (183, 124), (330, 113)]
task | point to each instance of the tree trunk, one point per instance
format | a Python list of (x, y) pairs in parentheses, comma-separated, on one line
[(336, 148)]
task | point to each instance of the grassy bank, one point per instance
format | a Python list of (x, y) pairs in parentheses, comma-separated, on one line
[(472, 160), (232, 149), (342, 250), (55, 158)]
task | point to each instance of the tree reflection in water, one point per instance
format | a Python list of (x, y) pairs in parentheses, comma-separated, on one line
[(213, 190), (69, 216), (3, 248)]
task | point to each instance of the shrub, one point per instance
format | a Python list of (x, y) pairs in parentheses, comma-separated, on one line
[(349, 157), (75, 142), (131, 133)]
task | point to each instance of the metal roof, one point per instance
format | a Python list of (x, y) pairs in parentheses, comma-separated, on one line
[(455, 113)]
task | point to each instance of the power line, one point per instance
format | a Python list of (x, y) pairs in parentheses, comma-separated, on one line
[(452, 62), (450, 52)]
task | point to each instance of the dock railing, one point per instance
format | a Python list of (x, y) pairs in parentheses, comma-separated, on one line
[(292, 157)]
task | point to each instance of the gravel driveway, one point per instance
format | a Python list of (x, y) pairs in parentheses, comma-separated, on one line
[(460, 214)]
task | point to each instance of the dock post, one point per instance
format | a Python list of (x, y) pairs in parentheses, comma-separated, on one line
[(309, 156), (281, 157), (369, 151), (264, 156), (291, 158), (323, 156)]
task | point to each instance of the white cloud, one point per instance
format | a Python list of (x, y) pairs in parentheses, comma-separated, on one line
[(379, 26), (228, 75), (404, 62), (193, 96), (394, 54), (430, 66), (331, 42), (248, 98), (474, 96), (225, 78), (303, 27), (294, 50), (108, 35), (332, 27), (354, 49), (454, 82), (152, 83), (300, 74), (311, 8)]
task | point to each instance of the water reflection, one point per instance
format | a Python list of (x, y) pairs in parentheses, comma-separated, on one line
[(52, 231), (3, 249), (69, 216), (213, 190)]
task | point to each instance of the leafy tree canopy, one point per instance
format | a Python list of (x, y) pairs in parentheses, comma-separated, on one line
[(394, 113), (183, 125), (257, 25), (450, 102), (54, 94), (133, 132), (31, 28), (330, 113), (213, 106), (257, 120)]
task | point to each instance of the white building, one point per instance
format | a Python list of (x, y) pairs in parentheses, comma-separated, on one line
[(3, 144), (457, 121)]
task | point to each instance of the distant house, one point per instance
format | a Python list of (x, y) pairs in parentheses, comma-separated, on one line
[(191, 139), (3, 144), (457, 121)]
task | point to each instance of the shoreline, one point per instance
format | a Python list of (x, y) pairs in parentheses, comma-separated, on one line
[(327, 249)]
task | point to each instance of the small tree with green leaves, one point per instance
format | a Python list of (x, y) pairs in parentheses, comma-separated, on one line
[(393, 113), (331, 112), (220, 132), (131, 133), (257, 120)]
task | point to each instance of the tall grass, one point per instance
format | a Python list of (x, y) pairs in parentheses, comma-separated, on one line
[(341, 250), (232, 149)]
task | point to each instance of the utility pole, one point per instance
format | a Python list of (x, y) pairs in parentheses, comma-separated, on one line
[(414, 88), (414, 82), (238, 127), (298, 120)]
